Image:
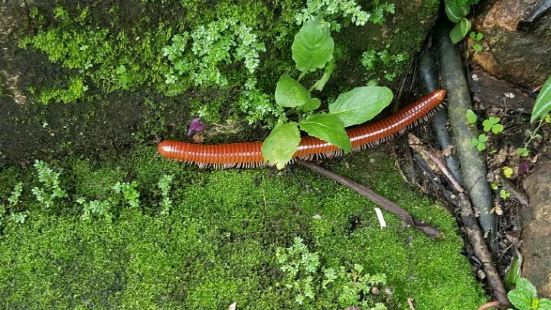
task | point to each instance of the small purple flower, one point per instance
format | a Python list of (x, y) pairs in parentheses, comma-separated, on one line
[(195, 126)]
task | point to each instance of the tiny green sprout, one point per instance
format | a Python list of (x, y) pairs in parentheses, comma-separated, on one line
[(480, 142), (477, 48), (504, 194), (476, 36), (492, 124), (508, 172), (494, 186), (523, 152), (471, 117), (547, 118)]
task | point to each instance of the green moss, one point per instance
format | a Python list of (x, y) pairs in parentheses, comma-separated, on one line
[(217, 244)]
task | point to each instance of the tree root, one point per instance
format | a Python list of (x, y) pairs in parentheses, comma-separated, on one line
[(473, 168), (472, 229)]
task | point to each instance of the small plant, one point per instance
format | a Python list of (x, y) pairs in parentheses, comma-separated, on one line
[(164, 185), (50, 190), (342, 287), (7, 211), (477, 38), (542, 106), (95, 208), (312, 50), (490, 124), (457, 11), (525, 297), (129, 192), (540, 113)]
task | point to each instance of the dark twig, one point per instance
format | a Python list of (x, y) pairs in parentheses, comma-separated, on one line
[(376, 198), (472, 229)]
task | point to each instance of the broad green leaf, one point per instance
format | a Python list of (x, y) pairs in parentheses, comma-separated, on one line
[(542, 105), (329, 128), (360, 104), (460, 30), (521, 297), (281, 144), (545, 304), (456, 12), (320, 84), (313, 46), (513, 272), (290, 93), (312, 105)]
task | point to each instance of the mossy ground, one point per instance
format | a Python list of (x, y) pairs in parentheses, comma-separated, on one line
[(217, 244)]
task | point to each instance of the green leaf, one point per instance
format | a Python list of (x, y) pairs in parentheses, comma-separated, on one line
[(543, 102), (455, 11), (476, 36), (483, 138), (545, 304), (290, 93), (523, 152), (312, 105), (320, 84), (329, 128), (471, 116), (360, 104), (460, 30), (521, 297), (281, 144), (513, 272), (490, 122), (477, 47), (313, 46), (508, 172), (497, 129)]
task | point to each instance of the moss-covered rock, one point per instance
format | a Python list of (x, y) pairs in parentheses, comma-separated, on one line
[(113, 74), (217, 243)]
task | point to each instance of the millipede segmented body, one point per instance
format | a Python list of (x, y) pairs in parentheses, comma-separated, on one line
[(249, 154)]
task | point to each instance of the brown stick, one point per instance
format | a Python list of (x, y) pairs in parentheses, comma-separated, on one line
[(376, 198), (472, 229), (488, 305)]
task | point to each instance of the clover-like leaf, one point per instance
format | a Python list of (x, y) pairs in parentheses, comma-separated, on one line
[(497, 129), (360, 104), (542, 106), (313, 46), (281, 144), (489, 123), (329, 128), (460, 30), (290, 93), (471, 116)]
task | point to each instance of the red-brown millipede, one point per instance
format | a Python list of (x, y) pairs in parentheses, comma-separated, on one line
[(249, 154)]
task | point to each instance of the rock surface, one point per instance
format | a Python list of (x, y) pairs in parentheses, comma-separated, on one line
[(491, 92), (521, 57), (536, 237)]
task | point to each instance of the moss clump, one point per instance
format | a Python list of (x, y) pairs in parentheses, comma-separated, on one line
[(217, 243)]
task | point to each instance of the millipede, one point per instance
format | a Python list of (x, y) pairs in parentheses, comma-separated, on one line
[(249, 154)]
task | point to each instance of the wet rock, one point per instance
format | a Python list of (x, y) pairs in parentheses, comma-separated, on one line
[(521, 57), (536, 220), (491, 92)]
